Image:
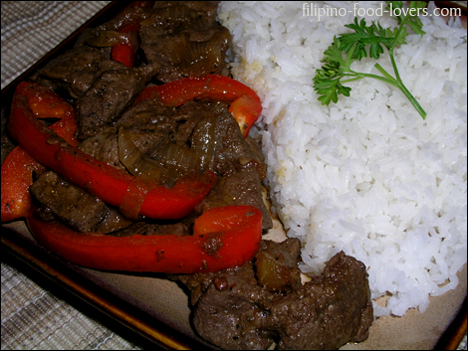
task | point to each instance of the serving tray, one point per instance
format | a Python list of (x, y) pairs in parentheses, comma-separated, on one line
[(158, 309)]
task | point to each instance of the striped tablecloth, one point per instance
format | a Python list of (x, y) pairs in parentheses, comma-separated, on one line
[(32, 316)]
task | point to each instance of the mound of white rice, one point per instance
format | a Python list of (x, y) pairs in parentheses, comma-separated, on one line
[(366, 175)]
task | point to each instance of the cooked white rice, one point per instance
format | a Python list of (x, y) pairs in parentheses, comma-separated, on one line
[(366, 175)]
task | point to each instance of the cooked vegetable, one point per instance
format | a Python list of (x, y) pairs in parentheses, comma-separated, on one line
[(133, 195), (245, 103), (223, 237), (19, 167), (179, 158), (201, 58), (271, 272), (132, 158), (125, 52), (203, 141), (43, 102), (124, 41), (111, 38), (346, 49), (17, 176)]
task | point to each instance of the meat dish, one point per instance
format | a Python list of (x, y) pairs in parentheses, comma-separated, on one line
[(263, 302)]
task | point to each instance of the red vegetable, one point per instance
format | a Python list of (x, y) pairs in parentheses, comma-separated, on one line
[(17, 176), (125, 52), (113, 186), (66, 129), (223, 237), (18, 168), (43, 102), (245, 103)]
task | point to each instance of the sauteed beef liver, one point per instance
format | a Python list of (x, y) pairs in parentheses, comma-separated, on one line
[(112, 92), (246, 307), (178, 39), (185, 40), (232, 310), (75, 71), (75, 207), (157, 130)]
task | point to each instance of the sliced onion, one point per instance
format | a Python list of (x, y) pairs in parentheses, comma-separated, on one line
[(200, 58), (132, 158), (180, 158), (204, 141), (108, 38)]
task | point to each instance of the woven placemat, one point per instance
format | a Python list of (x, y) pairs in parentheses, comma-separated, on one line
[(34, 318)]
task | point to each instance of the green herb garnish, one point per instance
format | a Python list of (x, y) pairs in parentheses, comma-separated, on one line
[(367, 41)]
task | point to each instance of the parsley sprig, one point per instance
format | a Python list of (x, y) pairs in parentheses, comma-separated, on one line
[(367, 41)]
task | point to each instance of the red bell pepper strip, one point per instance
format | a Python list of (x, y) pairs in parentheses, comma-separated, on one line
[(17, 176), (223, 237), (108, 183), (43, 102), (17, 170), (125, 52), (66, 128), (245, 106)]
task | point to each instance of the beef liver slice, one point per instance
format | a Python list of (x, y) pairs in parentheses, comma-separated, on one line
[(328, 311), (112, 92), (233, 311), (80, 210), (227, 314), (240, 188)]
